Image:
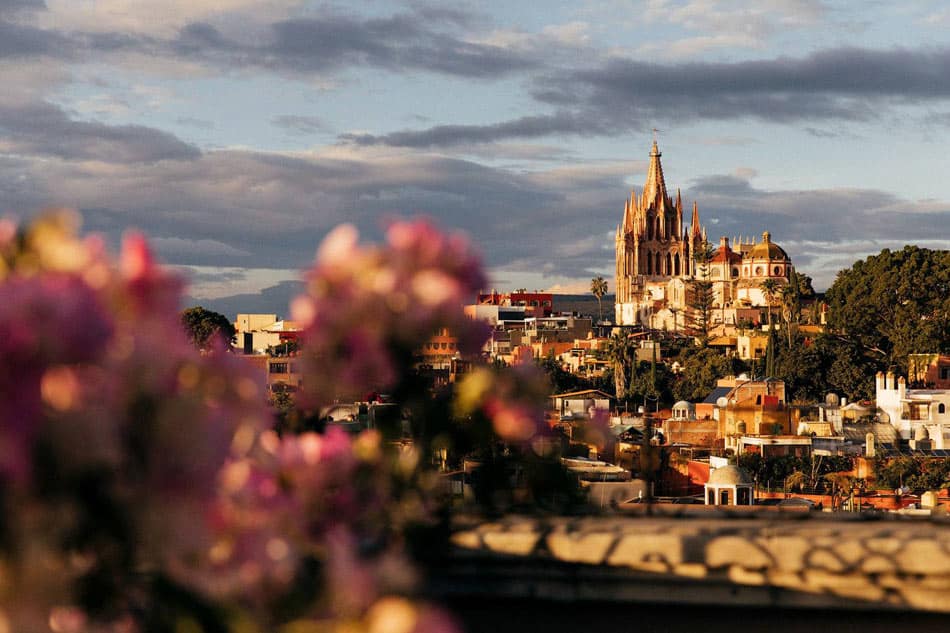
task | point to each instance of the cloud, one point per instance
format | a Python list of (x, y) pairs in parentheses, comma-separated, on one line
[(251, 209), (184, 248), (148, 17), (299, 123), (333, 41), (814, 226), (42, 128), (448, 135), (20, 40), (10, 7), (619, 95)]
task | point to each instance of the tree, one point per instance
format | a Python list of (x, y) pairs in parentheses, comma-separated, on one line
[(803, 369), (700, 369), (621, 353), (894, 304), (769, 288), (791, 306), (561, 379), (795, 480), (701, 294), (598, 287), (201, 326), (840, 485)]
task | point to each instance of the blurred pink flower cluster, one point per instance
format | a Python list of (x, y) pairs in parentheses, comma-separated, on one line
[(322, 496), (127, 454), (368, 308), (513, 400)]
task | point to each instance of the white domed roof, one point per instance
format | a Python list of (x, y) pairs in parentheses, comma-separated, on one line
[(730, 476), (683, 404)]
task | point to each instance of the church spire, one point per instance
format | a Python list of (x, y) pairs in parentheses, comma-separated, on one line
[(655, 187), (695, 220)]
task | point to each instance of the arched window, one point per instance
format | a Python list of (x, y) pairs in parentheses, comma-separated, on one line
[(656, 265), (735, 272), (758, 271), (941, 408), (676, 264), (649, 229), (777, 270), (649, 264), (669, 264)]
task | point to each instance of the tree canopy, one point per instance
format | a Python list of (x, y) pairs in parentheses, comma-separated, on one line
[(894, 304), (202, 325)]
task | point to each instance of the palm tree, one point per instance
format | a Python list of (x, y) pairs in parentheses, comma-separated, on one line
[(621, 352), (769, 288), (795, 480), (791, 305), (598, 286), (840, 484)]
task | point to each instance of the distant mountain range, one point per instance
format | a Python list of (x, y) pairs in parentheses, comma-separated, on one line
[(272, 300), (276, 300), (585, 304)]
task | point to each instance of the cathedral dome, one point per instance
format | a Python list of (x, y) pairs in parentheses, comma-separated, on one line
[(767, 249)]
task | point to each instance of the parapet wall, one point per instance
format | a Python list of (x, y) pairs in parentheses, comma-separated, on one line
[(794, 560)]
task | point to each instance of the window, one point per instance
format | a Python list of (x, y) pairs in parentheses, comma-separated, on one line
[(758, 270), (714, 273), (777, 270), (941, 408), (278, 368), (735, 272), (945, 373)]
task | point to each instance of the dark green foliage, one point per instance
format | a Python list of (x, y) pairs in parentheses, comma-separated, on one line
[(621, 351), (773, 471), (803, 369), (562, 381), (700, 298), (202, 326), (894, 304), (651, 384), (700, 368), (917, 473)]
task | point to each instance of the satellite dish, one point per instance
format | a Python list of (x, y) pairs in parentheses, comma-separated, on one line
[(721, 402), (832, 400)]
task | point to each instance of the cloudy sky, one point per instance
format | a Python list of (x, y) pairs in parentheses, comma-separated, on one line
[(236, 133)]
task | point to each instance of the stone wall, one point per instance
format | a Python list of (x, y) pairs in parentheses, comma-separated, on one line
[(779, 561)]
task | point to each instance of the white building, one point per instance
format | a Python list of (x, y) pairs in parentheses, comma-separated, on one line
[(917, 414)]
